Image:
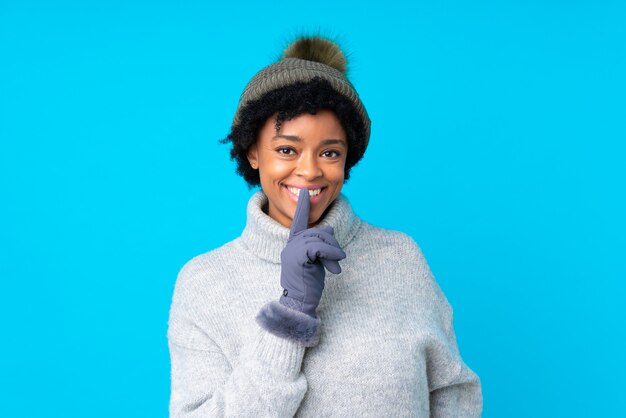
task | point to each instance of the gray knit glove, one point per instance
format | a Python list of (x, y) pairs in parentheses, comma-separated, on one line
[(307, 252)]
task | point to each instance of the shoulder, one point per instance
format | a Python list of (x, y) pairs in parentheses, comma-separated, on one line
[(196, 283), (396, 250), (218, 258), (396, 242), (202, 271), (412, 272)]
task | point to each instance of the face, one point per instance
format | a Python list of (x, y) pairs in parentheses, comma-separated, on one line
[(308, 151)]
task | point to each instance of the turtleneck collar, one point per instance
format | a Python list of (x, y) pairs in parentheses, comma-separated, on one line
[(266, 238)]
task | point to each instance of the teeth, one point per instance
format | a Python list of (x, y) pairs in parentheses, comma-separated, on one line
[(296, 191)]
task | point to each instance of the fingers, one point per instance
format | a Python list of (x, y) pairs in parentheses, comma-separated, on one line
[(328, 255), (332, 265), (320, 241), (301, 217), (322, 235), (320, 250)]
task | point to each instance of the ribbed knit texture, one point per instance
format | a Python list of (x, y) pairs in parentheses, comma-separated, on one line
[(288, 71), (387, 345)]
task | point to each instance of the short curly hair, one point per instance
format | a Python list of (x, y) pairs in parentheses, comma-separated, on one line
[(287, 103)]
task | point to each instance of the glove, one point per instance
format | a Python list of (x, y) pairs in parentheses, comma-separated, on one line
[(307, 252), (303, 259)]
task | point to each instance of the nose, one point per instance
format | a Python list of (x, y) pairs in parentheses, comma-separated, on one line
[(308, 167)]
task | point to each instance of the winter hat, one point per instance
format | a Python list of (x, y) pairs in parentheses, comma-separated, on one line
[(305, 58)]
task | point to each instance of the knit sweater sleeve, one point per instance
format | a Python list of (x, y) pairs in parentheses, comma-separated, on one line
[(455, 390), (264, 380)]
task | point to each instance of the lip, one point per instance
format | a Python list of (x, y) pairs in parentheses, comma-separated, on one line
[(305, 187), (313, 199)]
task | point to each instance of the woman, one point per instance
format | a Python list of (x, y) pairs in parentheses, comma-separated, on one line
[(259, 328)]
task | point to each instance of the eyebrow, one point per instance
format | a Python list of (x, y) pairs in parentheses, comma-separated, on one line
[(296, 138)]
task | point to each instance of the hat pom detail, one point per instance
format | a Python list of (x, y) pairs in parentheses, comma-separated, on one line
[(315, 48)]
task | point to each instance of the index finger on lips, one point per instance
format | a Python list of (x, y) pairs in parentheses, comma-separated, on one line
[(301, 217)]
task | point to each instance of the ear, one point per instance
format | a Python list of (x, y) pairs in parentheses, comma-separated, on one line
[(253, 156)]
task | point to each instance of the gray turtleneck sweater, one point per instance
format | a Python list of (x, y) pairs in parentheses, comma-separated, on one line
[(387, 343)]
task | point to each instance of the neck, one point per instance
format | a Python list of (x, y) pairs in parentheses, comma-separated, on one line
[(266, 237)]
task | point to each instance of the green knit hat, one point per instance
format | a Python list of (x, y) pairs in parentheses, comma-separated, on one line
[(304, 59)]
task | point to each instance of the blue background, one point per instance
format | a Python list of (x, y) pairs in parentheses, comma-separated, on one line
[(497, 143)]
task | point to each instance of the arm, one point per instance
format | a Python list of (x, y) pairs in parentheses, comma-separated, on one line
[(455, 390), (266, 381)]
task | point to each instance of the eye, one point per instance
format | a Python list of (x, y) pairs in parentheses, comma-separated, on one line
[(285, 150), (331, 153)]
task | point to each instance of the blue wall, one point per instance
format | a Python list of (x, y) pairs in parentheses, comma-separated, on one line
[(497, 143)]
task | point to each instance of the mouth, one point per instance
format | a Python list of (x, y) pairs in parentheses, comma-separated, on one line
[(315, 194), (312, 192)]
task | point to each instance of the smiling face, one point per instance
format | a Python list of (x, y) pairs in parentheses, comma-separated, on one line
[(309, 151)]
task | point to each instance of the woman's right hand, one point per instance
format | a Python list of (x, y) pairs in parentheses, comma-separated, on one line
[(307, 252)]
